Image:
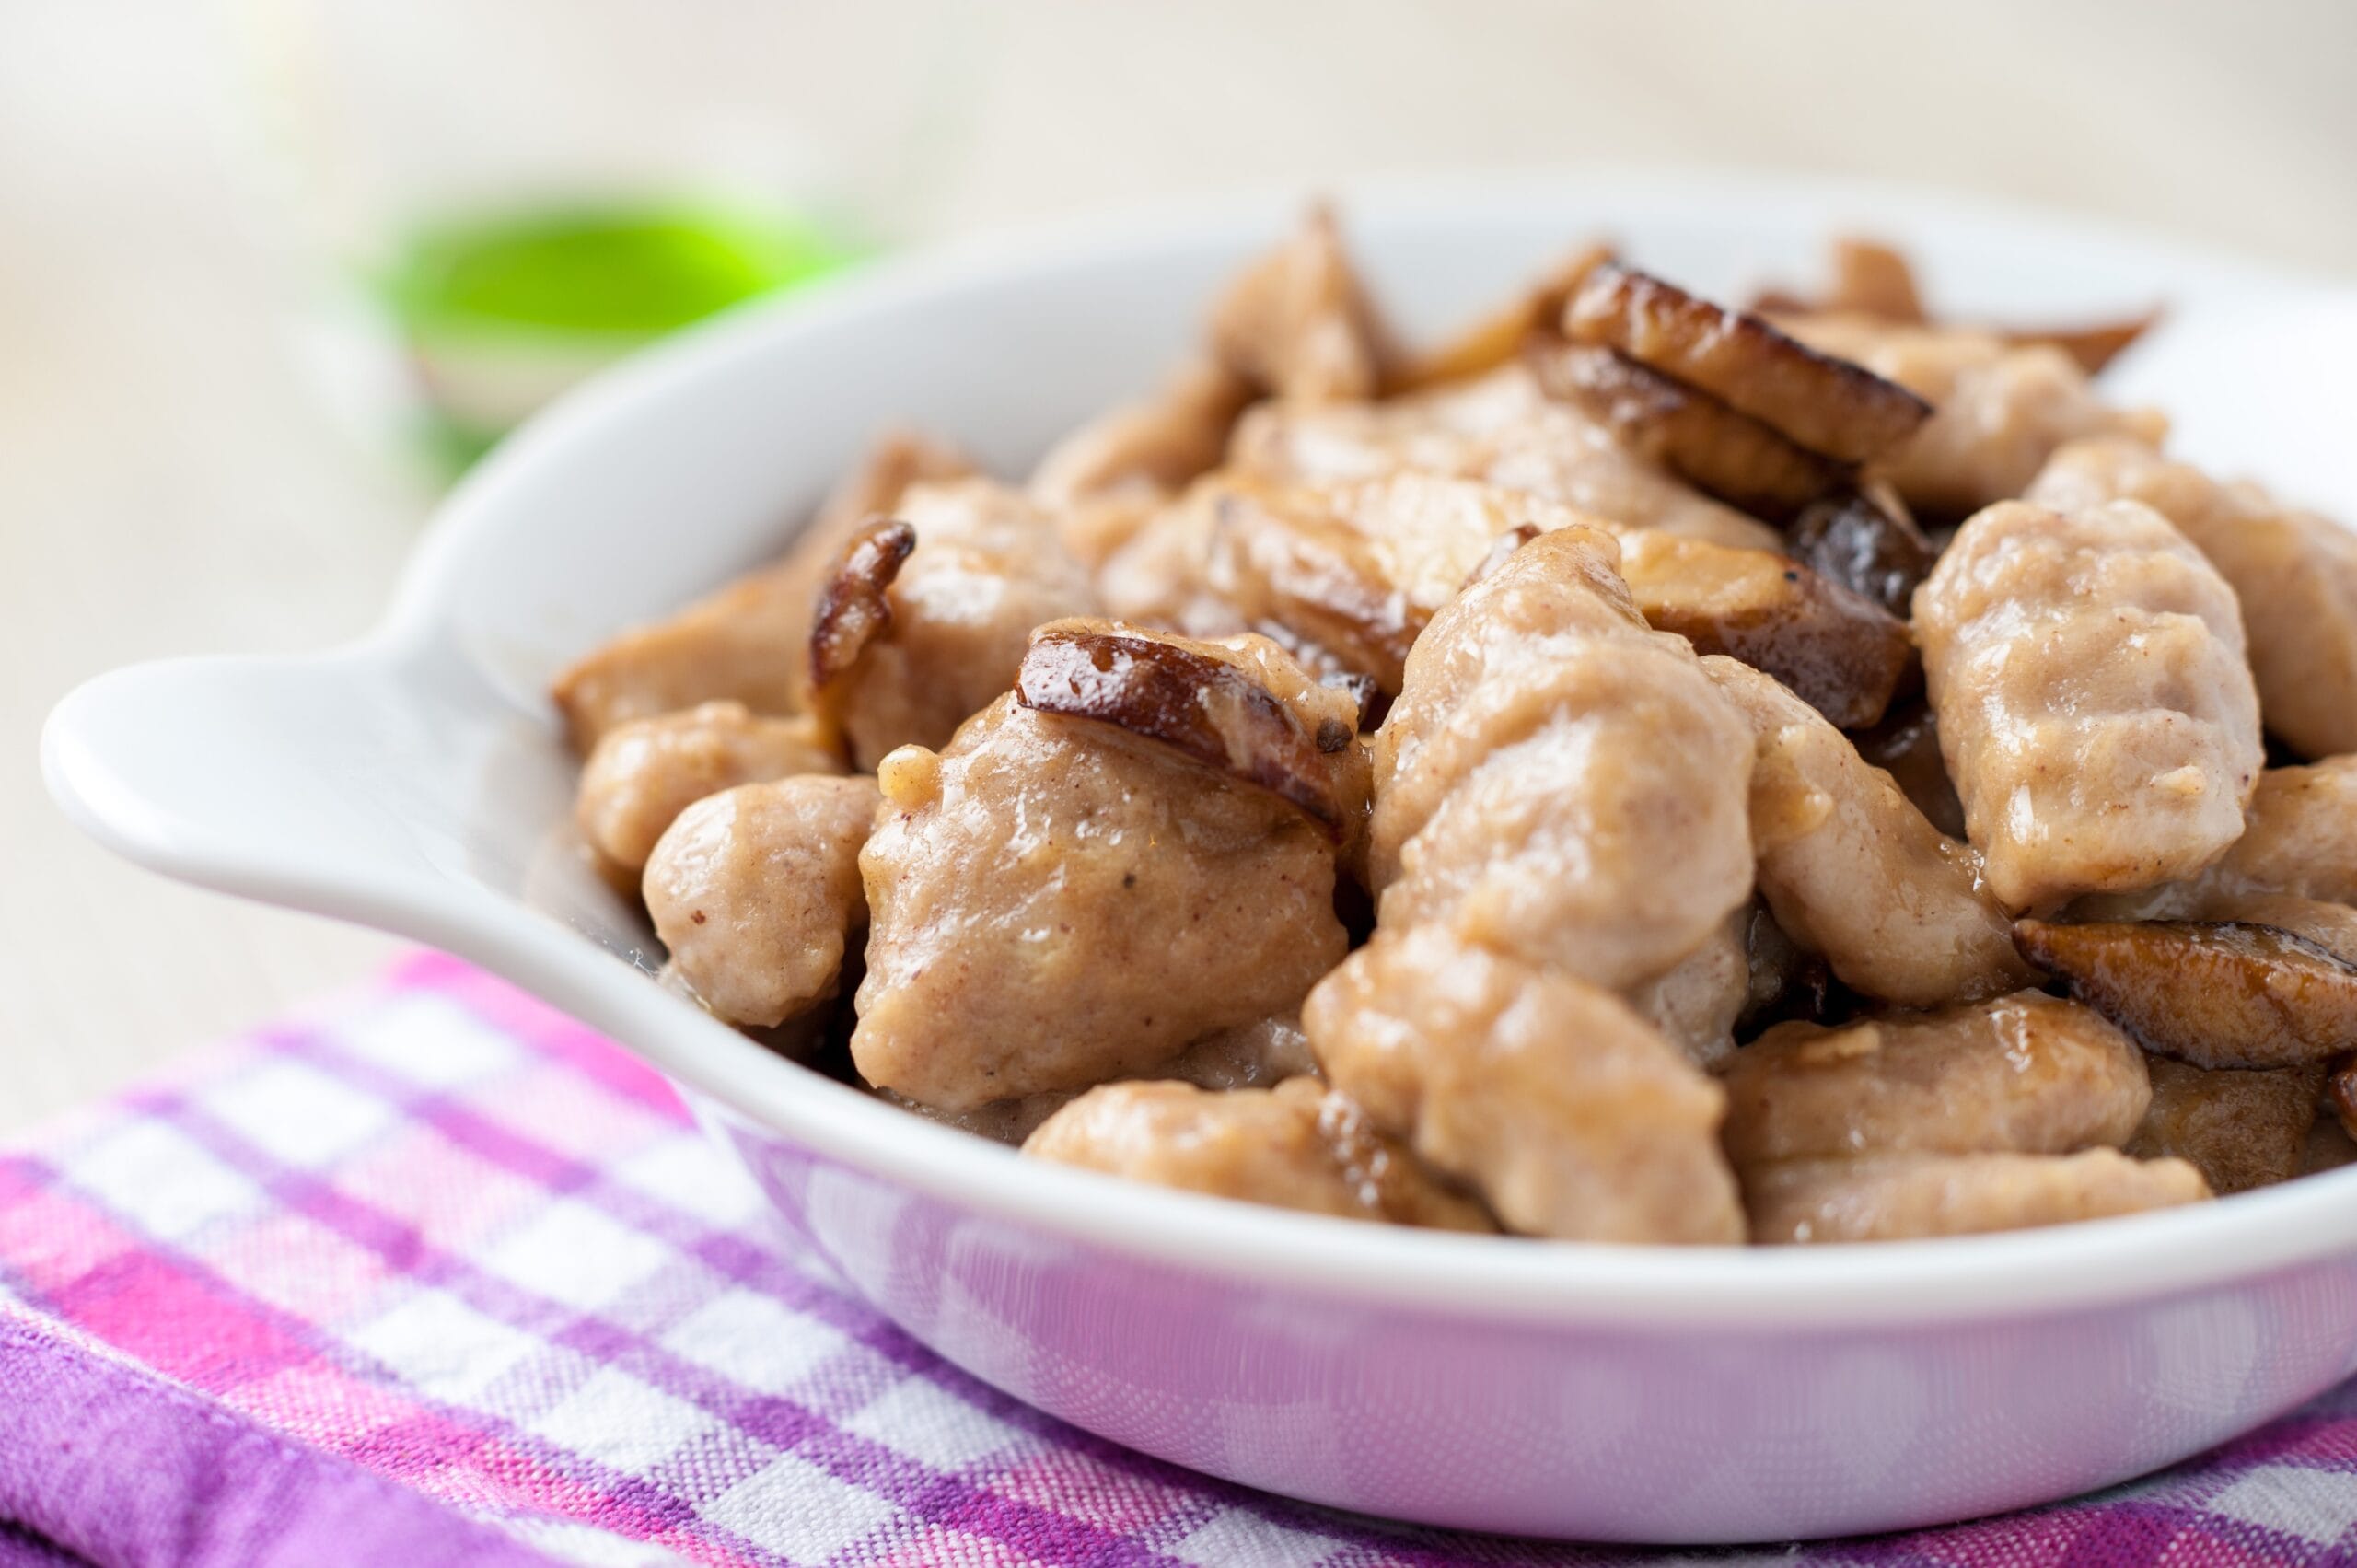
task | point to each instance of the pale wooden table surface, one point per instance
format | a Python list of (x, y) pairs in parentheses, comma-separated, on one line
[(170, 483)]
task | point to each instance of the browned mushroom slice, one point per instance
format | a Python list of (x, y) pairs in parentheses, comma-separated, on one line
[(852, 606), (1297, 323), (2093, 346), (2241, 1129), (1825, 404), (1838, 652), (1200, 706), (2332, 926), (1872, 549), (1496, 338), (2217, 993), (1722, 453), (1287, 556)]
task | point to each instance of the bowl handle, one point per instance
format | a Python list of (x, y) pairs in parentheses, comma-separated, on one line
[(297, 781)]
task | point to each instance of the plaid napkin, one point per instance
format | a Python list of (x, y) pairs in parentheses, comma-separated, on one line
[(434, 1275)]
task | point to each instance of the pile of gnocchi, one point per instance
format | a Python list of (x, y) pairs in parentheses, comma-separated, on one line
[(1640, 771)]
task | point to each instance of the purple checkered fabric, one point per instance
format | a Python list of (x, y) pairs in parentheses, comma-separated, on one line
[(434, 1275)]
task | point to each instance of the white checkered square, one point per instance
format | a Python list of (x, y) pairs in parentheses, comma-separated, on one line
[(625, 1423), (920, 1418), (430, 1040), (694, 1177), (444, 1348), (1234, 1539), (2311, 1505), (753, 1341), (161, 1182), (299, 1115), (797, 1510), (570, 1253)]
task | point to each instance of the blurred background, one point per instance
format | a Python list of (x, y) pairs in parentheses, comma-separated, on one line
[(270, 271)]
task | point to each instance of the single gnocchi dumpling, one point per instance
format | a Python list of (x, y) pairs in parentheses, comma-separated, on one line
[(2095, 706), (1295, 1147), (1571, 1116), (2294, 573), (644, 772), (1558, 782), (1990, 1116), (1852, 870), (755, 892), (1137, 849)]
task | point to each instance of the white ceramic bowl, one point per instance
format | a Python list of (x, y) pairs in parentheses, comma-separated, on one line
[(415, 781)]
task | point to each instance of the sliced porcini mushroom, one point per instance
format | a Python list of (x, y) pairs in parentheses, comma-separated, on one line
[(1874, 550), (1839, 653), (1496, 338), (1281, 561), (2217, 993), (1721, 452), (1202, 707), (1828, 405), (853, 608)]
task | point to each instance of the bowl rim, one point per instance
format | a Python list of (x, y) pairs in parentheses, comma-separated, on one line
[(1826, 1288)]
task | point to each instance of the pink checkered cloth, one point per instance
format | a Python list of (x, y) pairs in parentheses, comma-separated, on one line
[(433, 1275)]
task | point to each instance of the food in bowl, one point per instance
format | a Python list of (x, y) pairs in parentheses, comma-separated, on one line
[(1515, 786)]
